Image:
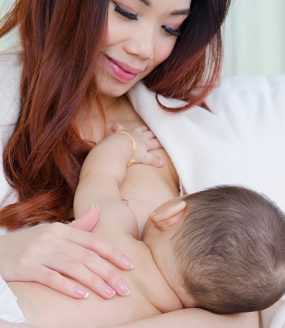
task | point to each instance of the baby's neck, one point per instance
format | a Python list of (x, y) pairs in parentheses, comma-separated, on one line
[(146, 276)]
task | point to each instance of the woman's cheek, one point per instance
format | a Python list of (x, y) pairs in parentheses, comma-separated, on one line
[(164, 50)]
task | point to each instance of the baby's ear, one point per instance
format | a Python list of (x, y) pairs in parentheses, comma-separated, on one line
[(169, 214)]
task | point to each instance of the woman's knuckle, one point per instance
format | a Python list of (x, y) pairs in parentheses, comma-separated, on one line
[(52, 278), (113, 249), (29, 253), (24, 261), (99, 246), (95, 281), (88, 259), (95, 245), (112, 275), (73, 267)]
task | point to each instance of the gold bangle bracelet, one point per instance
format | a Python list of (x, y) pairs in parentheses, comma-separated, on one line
[(134, 146)]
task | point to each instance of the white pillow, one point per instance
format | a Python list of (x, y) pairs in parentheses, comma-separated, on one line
[(255, 110)]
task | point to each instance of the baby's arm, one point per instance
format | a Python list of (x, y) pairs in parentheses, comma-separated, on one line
[(196, 318), (105, 168)]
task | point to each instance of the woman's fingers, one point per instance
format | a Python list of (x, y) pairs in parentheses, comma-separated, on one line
[(109, 275), (98, 267), (89, 241), (88, 221), (63, 258), (58, 282), (112, 254), (81, 273)]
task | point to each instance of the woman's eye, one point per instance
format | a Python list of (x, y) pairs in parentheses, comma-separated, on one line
[(171, 31), (125, 13)]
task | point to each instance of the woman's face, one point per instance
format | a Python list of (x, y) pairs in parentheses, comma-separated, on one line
[(141, 34)]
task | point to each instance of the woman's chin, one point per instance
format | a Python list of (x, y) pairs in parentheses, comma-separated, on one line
[(112, 88)]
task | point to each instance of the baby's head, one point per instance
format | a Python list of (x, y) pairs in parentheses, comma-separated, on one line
[(222, 249)]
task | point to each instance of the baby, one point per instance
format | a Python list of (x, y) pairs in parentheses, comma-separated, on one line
[(221, 249)]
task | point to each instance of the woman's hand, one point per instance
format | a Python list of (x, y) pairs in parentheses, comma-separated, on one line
[(64, 257)]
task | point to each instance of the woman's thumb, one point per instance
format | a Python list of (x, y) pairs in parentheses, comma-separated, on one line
[(88, 221)]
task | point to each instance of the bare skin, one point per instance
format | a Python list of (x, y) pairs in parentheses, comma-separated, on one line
[(143, 301)]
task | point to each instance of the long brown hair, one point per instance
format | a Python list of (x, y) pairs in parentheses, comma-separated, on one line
[(61, 40)]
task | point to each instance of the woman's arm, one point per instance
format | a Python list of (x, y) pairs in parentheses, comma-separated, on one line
[(197, 318)]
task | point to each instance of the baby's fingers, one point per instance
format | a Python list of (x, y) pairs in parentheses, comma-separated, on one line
[(154, 144), (151, 159)]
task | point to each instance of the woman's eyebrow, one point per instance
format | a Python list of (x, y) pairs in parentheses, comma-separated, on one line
[(146, 2), (179, 12), (183, 12)]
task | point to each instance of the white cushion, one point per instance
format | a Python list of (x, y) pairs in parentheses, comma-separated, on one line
[(254, 108)]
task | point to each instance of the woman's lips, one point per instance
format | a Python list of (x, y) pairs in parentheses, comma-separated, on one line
[(121, 71)]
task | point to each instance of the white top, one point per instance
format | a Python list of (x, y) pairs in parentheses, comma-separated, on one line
[(10, 73)]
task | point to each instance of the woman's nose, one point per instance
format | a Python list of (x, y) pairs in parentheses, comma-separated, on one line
[(141, 43)]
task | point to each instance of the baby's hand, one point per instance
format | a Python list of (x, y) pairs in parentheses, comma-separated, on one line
[(144, 142)]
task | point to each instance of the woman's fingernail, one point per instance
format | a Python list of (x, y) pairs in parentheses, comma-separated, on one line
[(81, 292), (126, 262), (123, 289), (108, 291)]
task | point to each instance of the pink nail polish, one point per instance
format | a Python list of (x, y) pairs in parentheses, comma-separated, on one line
[(123, 289), (126, 263), (109, 292), (81, 293)]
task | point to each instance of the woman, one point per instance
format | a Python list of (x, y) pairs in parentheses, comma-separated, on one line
[(79, 60)]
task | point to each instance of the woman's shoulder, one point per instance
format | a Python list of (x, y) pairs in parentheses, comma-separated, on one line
[(142, 98), (246, 97)]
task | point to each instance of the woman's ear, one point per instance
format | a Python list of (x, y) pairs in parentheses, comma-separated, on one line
[(169, 214)]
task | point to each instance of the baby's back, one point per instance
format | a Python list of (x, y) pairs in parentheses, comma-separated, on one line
[(44, 307)]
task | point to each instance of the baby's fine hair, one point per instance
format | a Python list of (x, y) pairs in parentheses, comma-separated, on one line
[(231, 250)]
